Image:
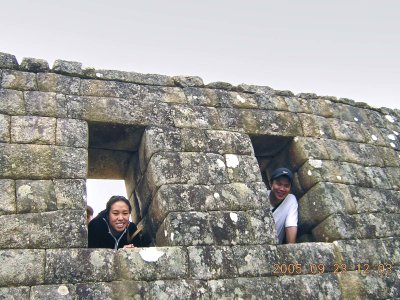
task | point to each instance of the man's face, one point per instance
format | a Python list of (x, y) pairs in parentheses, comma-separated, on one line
[(280, 188)]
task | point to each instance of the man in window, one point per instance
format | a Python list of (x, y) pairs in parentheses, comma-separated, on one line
[(283, 205)]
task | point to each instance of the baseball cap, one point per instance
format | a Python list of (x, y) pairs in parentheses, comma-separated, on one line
[(282, 172)]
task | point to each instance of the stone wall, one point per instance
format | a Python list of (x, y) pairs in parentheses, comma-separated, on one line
[(195, 159)]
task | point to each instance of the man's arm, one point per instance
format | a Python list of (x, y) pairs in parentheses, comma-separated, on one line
[(291, 233)]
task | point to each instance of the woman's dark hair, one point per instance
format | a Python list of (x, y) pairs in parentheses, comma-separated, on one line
[(114, 199)]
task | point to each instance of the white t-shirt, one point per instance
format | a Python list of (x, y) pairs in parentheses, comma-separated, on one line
[(285, 215)]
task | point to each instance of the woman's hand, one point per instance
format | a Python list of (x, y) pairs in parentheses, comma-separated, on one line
[(129, 246)]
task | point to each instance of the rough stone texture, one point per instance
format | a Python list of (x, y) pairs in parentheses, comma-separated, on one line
[(79, 265), (196, 160), (22, 267), (152, 263), (42, 161), (44, 230), (5, 128), (35, 196), (45, 104), (33, 130), (23, 81), (7, 197)]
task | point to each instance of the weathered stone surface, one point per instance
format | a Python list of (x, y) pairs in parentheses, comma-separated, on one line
[(17, 80), (347, 131), (297, 105), (8, 61), (245, 288), (370, 200), (44, 230), (70, 193), (108, 164), (178, 289), (231, 228), (304, 148), (375, 225), (5, 128), (185, 229), (321, 107), (311, 258), (220, 85), (336, 227), (79, 265), (188, 81), (271, 102), (316, 126), (67, 67), (56, 292), (152, 263), (158, 139), (393, 176), (256, 260), (310, 287), (11, 293), (211, 262), (230, 119), (47, 104), (33, 130), (390, 157), (42, 161), (7, 197), (187, 116), (50, 82), (112, 290), (263, 225), (22, 267), (34, 65), (35, 196), (72, 133), (391, 201), (102, 88), (322, 200), (349, 113), (11, 102), (250, 88), (242, 168), (162, 94), (223, 142)]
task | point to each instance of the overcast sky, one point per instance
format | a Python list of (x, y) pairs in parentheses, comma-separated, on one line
[(338, 48)]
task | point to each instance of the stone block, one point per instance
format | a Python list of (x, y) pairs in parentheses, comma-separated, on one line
[(72, 68), (263, 225), (8, 61), (270, 122), (185, 229), (11, 102), (22, 267), (57, 229), (33, 130), (5, 128), (158, 139), (349, 113), (256, 260), (51, 82), (310, 287), (231, 228), (321, 107), (245, 288), (347, 131), (243, 100), (34, 65), (152, 263), (298, 105), (46, 104), (316, 126), (162, 94), (242, 168), (194, 140), (305, 148), (220, 85), (72, 133), (7, 197), (79, 265), (230, 119), (377, 225), (335, 227), (211, 262), (375, 117), (178, 289), (390, 157), (373, 177), (70, 193), (373, 135), (393, 176), (35, 196), (12, 293), (323, 200), (369, 200), (112, 290), (115, 89), (42, 161), (269, 101), (17, 80), (108, 164), (188, 116), (188, 81), (228, 142), (311, 258), (250, 88), (56, 292), (391, 201)]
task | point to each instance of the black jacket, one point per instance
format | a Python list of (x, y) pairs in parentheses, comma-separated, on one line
[(100, 235)]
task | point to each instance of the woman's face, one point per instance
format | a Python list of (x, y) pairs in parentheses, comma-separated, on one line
[(119, 216)]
